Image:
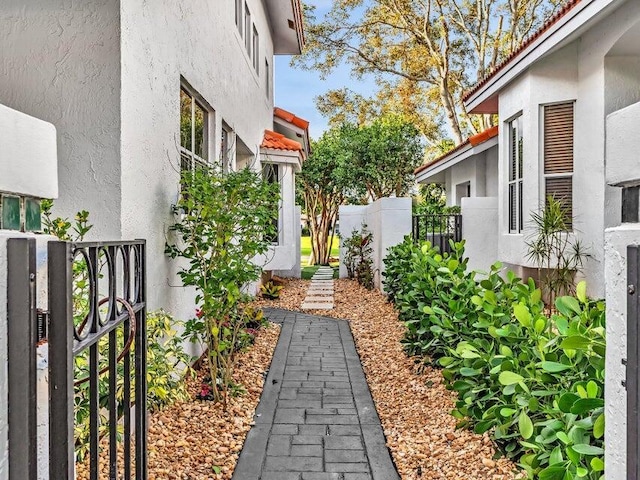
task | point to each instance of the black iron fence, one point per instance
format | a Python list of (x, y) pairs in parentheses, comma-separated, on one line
[(97, 305), (437, 229)]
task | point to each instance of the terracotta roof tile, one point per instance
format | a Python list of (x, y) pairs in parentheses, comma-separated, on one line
[(291, 118), (528, 41), (474, 141), (277, 141)]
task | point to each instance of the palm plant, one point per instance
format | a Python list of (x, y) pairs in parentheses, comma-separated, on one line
[(557, 254)]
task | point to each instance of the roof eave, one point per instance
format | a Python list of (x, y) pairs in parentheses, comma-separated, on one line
[(456, 157), (290, 157), (565, 30), (287, 26)]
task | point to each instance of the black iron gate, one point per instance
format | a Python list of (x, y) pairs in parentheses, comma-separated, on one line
[(97, 308), (21, 316), (632, 383), (438, 229)]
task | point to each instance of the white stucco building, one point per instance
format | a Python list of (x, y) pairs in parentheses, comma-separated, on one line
[(282, 153), (560, 85), (140, 90), (568, 103)]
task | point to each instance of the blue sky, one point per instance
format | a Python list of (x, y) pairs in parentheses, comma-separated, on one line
[(296, 89)]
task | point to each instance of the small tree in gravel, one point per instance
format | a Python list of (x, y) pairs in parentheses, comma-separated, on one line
[(223, 221)]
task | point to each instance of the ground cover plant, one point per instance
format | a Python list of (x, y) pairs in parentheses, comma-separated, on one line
[(534, 382)]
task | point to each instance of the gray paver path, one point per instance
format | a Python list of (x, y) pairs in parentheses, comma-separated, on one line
[(316, 419)]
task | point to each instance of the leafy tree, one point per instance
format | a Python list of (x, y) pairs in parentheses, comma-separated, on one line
[(324, 184), (356, 164), (385, 154), (440, 47)]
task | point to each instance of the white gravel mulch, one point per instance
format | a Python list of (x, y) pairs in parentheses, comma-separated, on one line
[(414, 407)]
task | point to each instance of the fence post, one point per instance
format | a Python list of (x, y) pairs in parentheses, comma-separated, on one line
[(633, 357), (22, 334), (61, 416)]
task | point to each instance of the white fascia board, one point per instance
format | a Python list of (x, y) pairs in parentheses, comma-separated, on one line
[(289, 157), (461, 155), (563, 32)]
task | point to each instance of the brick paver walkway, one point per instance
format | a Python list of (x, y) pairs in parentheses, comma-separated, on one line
[(316, 419)]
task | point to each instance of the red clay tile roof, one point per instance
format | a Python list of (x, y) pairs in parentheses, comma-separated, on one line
[(277, 141), (473, 140), (528, 41), (291, 118)]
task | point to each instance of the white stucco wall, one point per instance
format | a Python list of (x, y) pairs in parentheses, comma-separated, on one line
[(28, 155), (623, 145), (388, 219), (480, 231), (61, 63), (491, 173), (162, 41), (107, 74), (616, 241)]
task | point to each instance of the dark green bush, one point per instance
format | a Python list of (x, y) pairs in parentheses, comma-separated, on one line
[(534, 382)]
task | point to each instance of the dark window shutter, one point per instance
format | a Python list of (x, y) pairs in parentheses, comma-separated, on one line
[(561, 188), (558, 138)]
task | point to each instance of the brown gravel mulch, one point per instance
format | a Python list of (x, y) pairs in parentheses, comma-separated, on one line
[(414, 407), (193, 440)]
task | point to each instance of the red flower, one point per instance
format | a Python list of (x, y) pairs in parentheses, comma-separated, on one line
[(199, 313)]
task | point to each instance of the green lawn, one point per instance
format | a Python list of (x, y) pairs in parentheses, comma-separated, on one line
[(309, 270), (305, 248)]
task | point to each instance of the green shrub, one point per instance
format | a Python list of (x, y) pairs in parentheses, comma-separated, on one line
[(535, 383), (358, 259)]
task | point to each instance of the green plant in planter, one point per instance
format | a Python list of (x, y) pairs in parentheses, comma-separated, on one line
[(223, 221), (270, 290)]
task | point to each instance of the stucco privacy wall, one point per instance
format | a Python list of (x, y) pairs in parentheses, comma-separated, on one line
[(162, 41), (616, 241), (388, 219), (33, 143), (60, 62), (480, 230), (623, 145)]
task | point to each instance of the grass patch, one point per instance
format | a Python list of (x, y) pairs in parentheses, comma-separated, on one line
[(305, 248), (310, 270)]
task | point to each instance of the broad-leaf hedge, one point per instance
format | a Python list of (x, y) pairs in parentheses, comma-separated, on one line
[(533, 381)]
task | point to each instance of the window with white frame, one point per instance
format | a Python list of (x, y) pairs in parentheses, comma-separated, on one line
[(247, 28), (558, 156), (256, 50), (194, 131), (270, 173), (515, 149)]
